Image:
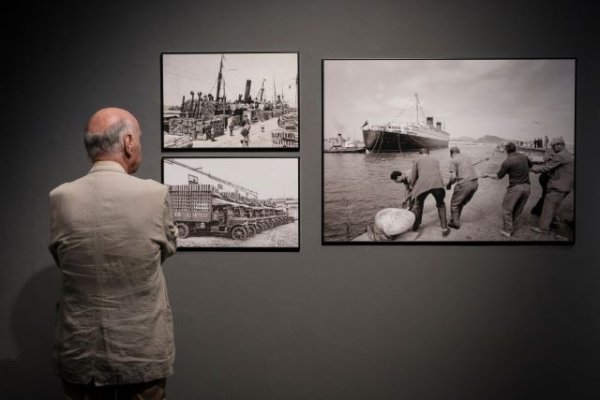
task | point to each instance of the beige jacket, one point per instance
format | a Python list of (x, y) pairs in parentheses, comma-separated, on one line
[(109, 233), (425, 176)]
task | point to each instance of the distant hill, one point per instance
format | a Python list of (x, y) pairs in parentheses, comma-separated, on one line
[(483, 139), (463, 139), (492, 139)]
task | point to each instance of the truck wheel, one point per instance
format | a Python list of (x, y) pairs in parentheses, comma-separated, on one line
[(183, 231), (238, 233), (251, 230)]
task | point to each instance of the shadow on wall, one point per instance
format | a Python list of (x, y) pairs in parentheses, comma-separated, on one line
[(31, 375)]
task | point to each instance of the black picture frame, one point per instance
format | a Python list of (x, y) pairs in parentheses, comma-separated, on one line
[(480, 232), (274, 227), (288, 133)]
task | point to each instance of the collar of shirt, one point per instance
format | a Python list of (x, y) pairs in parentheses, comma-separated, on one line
[(107, 166)]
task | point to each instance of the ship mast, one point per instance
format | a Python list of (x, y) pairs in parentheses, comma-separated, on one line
[(191, 109), (220, 78), (262, 91), (417, 97)]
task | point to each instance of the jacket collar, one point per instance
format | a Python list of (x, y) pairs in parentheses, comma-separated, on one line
[(107, 166)]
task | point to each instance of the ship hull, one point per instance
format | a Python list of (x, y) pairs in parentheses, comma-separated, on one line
[(380, 141), (345, 150)]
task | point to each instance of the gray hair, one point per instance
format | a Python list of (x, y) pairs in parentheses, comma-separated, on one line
[(106, 142)]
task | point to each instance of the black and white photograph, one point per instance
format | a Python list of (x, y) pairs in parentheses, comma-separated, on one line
[(448, 150), (234, 203), (230, 101)]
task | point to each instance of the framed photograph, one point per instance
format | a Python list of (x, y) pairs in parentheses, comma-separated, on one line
[(230, 101), (234, 203), (448, 151)]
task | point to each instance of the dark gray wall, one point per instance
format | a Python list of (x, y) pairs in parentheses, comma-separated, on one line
[(414, 322)]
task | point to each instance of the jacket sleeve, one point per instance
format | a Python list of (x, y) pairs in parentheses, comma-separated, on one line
[(169, 245), (414, 174), (53, 242), (502, 171), (555, 161)]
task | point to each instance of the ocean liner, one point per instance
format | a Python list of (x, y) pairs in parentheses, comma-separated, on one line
[(406, 137)]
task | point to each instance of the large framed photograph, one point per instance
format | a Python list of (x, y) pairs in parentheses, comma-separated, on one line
[(234, 203), (230, 101), (448, 151)]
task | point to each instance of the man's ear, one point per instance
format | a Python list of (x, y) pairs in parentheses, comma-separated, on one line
[(128, 144)]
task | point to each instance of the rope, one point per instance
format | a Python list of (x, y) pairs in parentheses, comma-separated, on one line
[(380, 141), (401, 111)]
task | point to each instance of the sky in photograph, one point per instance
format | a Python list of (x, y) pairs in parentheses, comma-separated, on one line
[(269, 177), (198, 72), (512, 99)]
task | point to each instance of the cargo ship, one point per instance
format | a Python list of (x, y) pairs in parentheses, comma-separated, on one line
[(204, 116), (406, 137)]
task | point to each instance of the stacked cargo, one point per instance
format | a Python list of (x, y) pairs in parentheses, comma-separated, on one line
[(287, 134), (191, 202), (197, 129)]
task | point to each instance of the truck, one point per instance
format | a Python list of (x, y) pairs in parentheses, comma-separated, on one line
[(201, 210)]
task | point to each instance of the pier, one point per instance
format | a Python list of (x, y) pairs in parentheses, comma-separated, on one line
[(481, 220), (258, 137)]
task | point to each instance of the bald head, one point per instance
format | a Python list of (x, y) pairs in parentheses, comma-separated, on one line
[(114, 134), (106, 117)]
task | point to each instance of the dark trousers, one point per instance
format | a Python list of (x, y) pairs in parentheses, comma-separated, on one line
[(439, 195), (153, 390), (514, 201), (463, 193), (551, 204), (537, 209)]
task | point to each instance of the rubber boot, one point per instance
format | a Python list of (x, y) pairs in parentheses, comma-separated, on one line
[(443, 222), (418, 211), (454, 218)]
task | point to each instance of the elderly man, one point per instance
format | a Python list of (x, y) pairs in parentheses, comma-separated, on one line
[(516, 166), (463, 174), (426, 179), (559, 168), (109, 234)]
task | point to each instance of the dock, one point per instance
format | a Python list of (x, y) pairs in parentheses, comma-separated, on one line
[(481, 220), (258, 137)]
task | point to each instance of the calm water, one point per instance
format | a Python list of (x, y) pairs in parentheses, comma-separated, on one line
[(359, 185)]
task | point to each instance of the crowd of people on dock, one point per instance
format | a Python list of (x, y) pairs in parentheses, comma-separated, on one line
[(556, 179)]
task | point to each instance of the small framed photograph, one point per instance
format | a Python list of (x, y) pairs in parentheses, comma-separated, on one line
[(226, 203), (230, 101), (448, 151)]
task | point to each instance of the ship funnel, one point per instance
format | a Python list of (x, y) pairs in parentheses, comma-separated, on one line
[(247, 93), (430, 121), (438, 125)]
